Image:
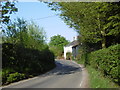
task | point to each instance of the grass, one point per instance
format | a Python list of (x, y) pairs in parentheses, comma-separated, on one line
[(0, 78), (0, 74), (97, 80)]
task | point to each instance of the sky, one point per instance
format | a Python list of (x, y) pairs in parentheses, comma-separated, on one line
[(41, 14), (71, 0)]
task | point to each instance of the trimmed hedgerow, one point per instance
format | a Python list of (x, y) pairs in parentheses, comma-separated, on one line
[(19, 61), (107, 61)]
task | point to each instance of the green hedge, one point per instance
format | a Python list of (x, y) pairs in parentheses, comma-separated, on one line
[(18, 61), (107, 61)]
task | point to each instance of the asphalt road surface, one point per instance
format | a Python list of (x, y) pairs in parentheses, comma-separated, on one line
[(67, 74)]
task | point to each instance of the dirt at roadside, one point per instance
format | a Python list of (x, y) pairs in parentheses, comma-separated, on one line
[(85, 79)]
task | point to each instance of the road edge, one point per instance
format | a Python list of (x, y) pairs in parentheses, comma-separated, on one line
[(85, 76)]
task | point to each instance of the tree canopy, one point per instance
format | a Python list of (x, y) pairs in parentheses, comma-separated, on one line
[(96, 22), (58, 40), (28, 34), (8, 7), (57, 43)]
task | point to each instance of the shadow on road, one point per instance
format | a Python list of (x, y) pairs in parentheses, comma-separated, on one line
[(62, 69)]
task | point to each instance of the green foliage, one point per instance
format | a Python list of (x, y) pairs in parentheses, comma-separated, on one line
[(58, 51), (13, 77), (5, 74), (95, 22), (8, 8), (68, 56), (27, 34), (97, 80), (15, 31), (58, 40), (56, 45), (24, 50), (36, 35), (9, 75), (25, 60), (99, 27), (106, 61)]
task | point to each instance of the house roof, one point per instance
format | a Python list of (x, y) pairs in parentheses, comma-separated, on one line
[(73, 43)]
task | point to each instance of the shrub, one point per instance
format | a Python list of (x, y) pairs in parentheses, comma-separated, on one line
[(68, 55), (5, 74), (25, 60), (107, 61), (25, 51), (8, 55), (15, 77)]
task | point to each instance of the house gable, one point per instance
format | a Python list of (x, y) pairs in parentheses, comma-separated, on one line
[(72, 48)]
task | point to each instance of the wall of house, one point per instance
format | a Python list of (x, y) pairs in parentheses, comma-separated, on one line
[(67, 49), (75, 51)]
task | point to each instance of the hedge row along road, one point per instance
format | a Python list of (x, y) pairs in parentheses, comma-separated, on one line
[(67, 74)]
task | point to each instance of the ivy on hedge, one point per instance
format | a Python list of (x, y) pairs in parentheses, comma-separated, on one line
[(107, 61)]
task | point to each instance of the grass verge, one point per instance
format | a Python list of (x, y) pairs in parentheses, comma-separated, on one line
[(97, 80)]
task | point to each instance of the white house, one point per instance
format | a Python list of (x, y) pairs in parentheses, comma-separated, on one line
[(72, 48)]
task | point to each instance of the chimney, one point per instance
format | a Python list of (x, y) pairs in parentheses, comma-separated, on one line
[(76, 38), (73, 38)]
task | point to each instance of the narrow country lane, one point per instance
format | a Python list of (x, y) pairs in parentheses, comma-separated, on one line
[(67, 74)]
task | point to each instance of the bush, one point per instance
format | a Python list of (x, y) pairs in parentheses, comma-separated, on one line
[(13, 77), (5, 74), (25, 51), (68, 55), (25, 60), (107, 61), (8, 55)]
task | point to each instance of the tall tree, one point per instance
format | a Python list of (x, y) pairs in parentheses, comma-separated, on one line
[(57, 43), (7, 8), (94, 21), (29, 35)]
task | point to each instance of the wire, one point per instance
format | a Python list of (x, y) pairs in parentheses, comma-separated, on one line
[(46, 17)]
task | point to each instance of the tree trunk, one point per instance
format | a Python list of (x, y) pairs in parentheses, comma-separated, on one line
[(102, 33), (104, 43), (103, 39)]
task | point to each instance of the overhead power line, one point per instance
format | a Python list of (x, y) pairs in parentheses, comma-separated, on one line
[(46, 17)]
